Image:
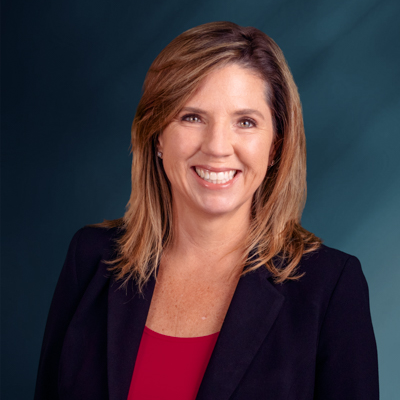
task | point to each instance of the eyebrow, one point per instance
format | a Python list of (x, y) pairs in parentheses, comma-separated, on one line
[(247, 111), (244, 111)]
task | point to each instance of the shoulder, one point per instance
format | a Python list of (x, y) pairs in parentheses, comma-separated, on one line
[(325, 254), (90, 246), (93, 241), (324, 271), (327, 263)]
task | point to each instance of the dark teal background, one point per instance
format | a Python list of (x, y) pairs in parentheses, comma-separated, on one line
[(71, 79)]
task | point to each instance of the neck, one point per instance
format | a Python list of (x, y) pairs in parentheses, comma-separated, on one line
[(207, 242)]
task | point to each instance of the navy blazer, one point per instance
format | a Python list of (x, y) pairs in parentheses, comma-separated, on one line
[(300, 340)]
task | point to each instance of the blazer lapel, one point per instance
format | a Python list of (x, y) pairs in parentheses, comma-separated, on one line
[(251, 314), (127, 314)]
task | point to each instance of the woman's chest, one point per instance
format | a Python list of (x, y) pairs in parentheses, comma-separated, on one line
[(190, 307)]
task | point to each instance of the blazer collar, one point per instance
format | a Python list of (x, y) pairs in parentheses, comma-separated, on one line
[(251, 314)]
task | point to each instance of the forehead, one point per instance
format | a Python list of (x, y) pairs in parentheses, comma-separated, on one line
[(231, 85)]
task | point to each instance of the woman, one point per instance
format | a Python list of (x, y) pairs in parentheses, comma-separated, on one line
[(209, 287)]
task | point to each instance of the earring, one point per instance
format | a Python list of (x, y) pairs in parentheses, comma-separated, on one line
[(159, 153), (272, 163)]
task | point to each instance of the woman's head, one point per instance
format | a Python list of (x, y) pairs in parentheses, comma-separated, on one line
[(217, 149), (172, 80)]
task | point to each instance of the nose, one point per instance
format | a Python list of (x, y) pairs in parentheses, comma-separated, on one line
[(218, 140)]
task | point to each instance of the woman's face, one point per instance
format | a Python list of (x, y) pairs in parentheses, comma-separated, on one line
[(217, 149)]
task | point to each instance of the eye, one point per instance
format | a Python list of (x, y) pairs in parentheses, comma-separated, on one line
[(191, 118), (247, 123)]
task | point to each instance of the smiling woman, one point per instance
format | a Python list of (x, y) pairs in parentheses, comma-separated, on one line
[(209, 287)]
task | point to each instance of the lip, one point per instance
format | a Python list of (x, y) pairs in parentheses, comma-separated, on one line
[(214, 169), (215, 186)]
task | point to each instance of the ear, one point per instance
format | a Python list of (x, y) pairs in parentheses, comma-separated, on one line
[(160, 142)]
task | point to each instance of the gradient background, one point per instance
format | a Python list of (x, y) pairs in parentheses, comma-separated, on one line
[(72, 76)]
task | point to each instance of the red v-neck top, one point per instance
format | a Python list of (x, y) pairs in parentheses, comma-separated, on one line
[(170, 367)]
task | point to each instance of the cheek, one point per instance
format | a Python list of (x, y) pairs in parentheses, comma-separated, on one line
[(179, 144), (257, 155), (177, 154)]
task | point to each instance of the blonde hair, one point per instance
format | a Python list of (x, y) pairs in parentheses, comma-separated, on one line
[(276, 238)]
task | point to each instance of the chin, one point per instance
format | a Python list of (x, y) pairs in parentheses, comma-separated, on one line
[(219, 208)]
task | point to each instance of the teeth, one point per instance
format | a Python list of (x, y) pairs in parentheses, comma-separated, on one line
[(216, 177)]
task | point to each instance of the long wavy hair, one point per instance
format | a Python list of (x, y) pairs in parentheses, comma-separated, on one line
[(276, 239)]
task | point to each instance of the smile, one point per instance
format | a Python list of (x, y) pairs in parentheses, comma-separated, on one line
[(216, 177)]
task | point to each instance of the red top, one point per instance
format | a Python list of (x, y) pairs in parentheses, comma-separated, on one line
[(170, 367)]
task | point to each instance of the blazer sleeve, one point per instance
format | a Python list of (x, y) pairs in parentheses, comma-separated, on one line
[(347, 364), (64, 303)]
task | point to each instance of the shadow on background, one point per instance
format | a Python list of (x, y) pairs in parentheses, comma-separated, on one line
[(72, 76)]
